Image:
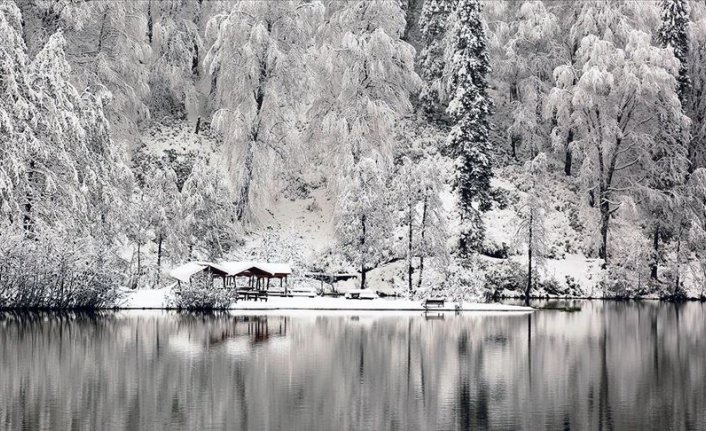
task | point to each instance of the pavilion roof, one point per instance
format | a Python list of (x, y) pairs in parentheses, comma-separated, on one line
[(232, 268)]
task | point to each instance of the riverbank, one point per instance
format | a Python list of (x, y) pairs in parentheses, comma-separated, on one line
[(158, 299)]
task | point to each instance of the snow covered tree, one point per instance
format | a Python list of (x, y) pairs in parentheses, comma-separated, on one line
[(524, 64), (173, 31), (695, 106), (674, 33), (363, 223), (256, 64), (614, 107), (365, 75), (18, 114), (72, 167), (164, 200), (433, 23), (470, 105), (417, 186), (58, 170), (610, 21), (138, 230), (532, 229), (207, 212), (108, 49)]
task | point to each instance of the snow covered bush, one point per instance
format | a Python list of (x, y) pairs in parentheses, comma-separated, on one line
[(201, 298), (493, 249), (51, 272), (463, 283), (505, 279)]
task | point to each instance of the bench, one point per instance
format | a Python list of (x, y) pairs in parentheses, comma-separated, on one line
[(434, 302), (251, 294)]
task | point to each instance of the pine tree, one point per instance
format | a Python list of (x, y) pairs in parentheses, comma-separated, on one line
[(667, 174), (468, 69), (673, 33)]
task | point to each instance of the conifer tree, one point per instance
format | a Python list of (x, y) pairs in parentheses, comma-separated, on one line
[(674, 33), (468, 68), (667, 176)]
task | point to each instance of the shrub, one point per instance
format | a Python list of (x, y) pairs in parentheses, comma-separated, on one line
[(551, 287), (573, 286), (507, 276), (49, 271), (201, 294), (493, 249)]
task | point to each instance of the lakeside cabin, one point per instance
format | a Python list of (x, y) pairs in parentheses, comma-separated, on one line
[(240, 276)]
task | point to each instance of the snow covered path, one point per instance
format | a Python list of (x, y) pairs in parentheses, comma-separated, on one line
[(142, 299)]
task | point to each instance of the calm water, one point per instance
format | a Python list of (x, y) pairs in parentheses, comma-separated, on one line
[(616, 366)]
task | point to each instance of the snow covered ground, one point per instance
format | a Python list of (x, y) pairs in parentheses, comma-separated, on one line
[(141, 299)]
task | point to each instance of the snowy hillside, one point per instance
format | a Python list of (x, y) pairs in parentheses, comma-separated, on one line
[(468, 149)]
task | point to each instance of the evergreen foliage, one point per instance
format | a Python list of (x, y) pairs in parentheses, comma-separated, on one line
[(470, 105)]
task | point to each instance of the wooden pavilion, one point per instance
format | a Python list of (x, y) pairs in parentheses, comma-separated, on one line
[(244, 276)]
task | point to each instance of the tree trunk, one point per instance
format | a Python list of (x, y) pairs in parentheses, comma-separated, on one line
[(159, 259), (410, 267), (139, 265), (605, 220), (677, 286), (567, 153), (150, 22), (362, 253), (529, 260), (198, 126), (514, 142), (195, 60), (655, 260), (422, 235), (412, 18), (28, 217), (244, 192)]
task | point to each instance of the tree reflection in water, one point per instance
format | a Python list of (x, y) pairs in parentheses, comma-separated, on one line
[(610, 366)]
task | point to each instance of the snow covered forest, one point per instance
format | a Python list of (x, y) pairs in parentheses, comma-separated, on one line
[(476, 148)]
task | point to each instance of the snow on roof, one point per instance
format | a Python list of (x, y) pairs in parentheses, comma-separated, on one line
[(276, 268), (186, 271)]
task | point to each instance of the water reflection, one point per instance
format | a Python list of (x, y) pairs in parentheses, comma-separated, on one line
[(607, 366)]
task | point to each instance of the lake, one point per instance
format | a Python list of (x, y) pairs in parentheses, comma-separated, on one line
[(609, 365)]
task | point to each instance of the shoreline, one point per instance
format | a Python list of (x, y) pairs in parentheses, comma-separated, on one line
[(158, 300)]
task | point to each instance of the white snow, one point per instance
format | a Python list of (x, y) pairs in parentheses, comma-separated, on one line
[(145, 298), (156, 298), (186, 271)]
